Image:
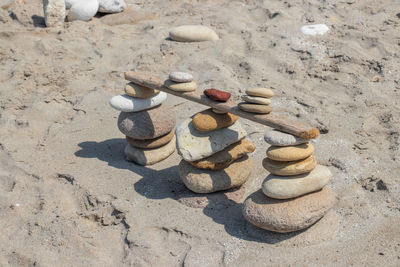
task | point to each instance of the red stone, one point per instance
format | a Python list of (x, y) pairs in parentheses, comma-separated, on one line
[(217, 95)]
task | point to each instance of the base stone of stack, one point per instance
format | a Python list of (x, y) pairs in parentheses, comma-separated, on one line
[(149, 156), (287, 215)]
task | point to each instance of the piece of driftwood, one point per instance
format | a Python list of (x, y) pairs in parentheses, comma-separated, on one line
[(273, 120)]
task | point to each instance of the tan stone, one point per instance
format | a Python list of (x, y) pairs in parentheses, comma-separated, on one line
[(139, 91), (288, 168), (151, 143), (255, 108), (207, 120), (225, 157), (181, 87), (263, 92), (256, 99), (144, 157), (290, 153), (287, 215)]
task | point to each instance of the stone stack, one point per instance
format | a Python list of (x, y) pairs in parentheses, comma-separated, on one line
[(214, 152), (147, 124), (294, 195), (181, 82), (257, 100)]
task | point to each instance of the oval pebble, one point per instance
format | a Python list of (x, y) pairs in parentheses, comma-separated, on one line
[(181, 87), (193, 33), (256, 99), (290, 153), (255, 108), (126, 103), (149, 156), (180, 77), (278, 138), (290, 168), (316, 29), (262, 92)]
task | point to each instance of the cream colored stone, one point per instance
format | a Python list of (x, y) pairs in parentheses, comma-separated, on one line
[(193, 33), (255, 108), (149, 156), (288, 168), (262, 92), (290, 153), (181, 87), (256, 99), (139, 91)]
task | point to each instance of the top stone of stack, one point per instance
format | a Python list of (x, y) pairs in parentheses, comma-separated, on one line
[(180, 77), (261, 92)]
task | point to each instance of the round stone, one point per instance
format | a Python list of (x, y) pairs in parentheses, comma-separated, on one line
[(278, 138), (289, 168), (193, 33), (290, 153), (219, 111), (256, 99), (139, 91), (147, 124), (83, 10), (180, 77), (225, 157), (126, 103), (255, 108), (217, 95), (151, 143), (149, 156), (281, 187), (207, 181), (262, 92), (206, 120), (316, 29), (181, 87), (111, 6), (291, 215)]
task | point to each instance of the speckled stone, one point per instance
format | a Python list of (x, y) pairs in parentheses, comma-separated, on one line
[(180, 77), (278, 138)]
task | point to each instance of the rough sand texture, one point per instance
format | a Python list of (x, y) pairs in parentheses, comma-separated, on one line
[(68, 195)]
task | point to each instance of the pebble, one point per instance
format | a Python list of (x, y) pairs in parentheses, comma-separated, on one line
[(225, 157), (255, 108), (217, 95), (207, 181), (290, 153), (126, 103), (280, 187), (180, 77), (219, 111), (193, 33), (147, 124), (151, 143), (262, 92), (181, 87), (316, 29), (54, 13), (83, 10), (149, 156), (289, 168), (285, 216), (139, 91), (256, 99), (111, 6), (206, 120), (278, 138), (194, 145)]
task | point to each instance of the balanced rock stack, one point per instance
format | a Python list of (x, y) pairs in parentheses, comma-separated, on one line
[(147, 124), (294, 195), (214, 152), (257, 100), (181, 82)]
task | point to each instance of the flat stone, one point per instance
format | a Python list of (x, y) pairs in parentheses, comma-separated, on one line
[(316, 29), (126, 103), (139, 91), (207, 181), (289, 168), (151, 143), (285, 216), (219, 111), (256, 99), (217, 95), (193, 33), (181, 87), (290, 153), (180, 77), (225, 157), (111, 6), (262, 92), (147, 124), (255, 108), (149, 156), (83, 10), (54, 13), (281, 187), (194, 145), (278, 138), (206, 120)]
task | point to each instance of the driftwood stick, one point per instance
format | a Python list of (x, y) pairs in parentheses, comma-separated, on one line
[(273, 120)]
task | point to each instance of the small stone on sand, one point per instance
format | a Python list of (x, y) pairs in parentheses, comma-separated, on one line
[(193, 33), (316, 29)]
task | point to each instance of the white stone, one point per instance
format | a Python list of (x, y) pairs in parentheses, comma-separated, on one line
[(54, 12), (278, 138), (316, 29), (194, 145), (111, 6), (83, 10), (180, 77), (256, 99), (126, 103), (193, 33)]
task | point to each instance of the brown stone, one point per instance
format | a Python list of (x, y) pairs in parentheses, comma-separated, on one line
[(144, 156), (207, 120), (289, 168), (255, 108), (151, 143), (290, 153)]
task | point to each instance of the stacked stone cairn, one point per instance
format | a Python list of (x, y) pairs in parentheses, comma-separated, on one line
[(293, 196), (147, 124), (257, 100), (181, 82), (214, 149)]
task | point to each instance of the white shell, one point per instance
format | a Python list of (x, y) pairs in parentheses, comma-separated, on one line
[(317, 29)]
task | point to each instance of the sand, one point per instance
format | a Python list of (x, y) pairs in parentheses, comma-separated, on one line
[(68, 197)]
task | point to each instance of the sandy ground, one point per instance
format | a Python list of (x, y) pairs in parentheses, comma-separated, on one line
[(69, 198)]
